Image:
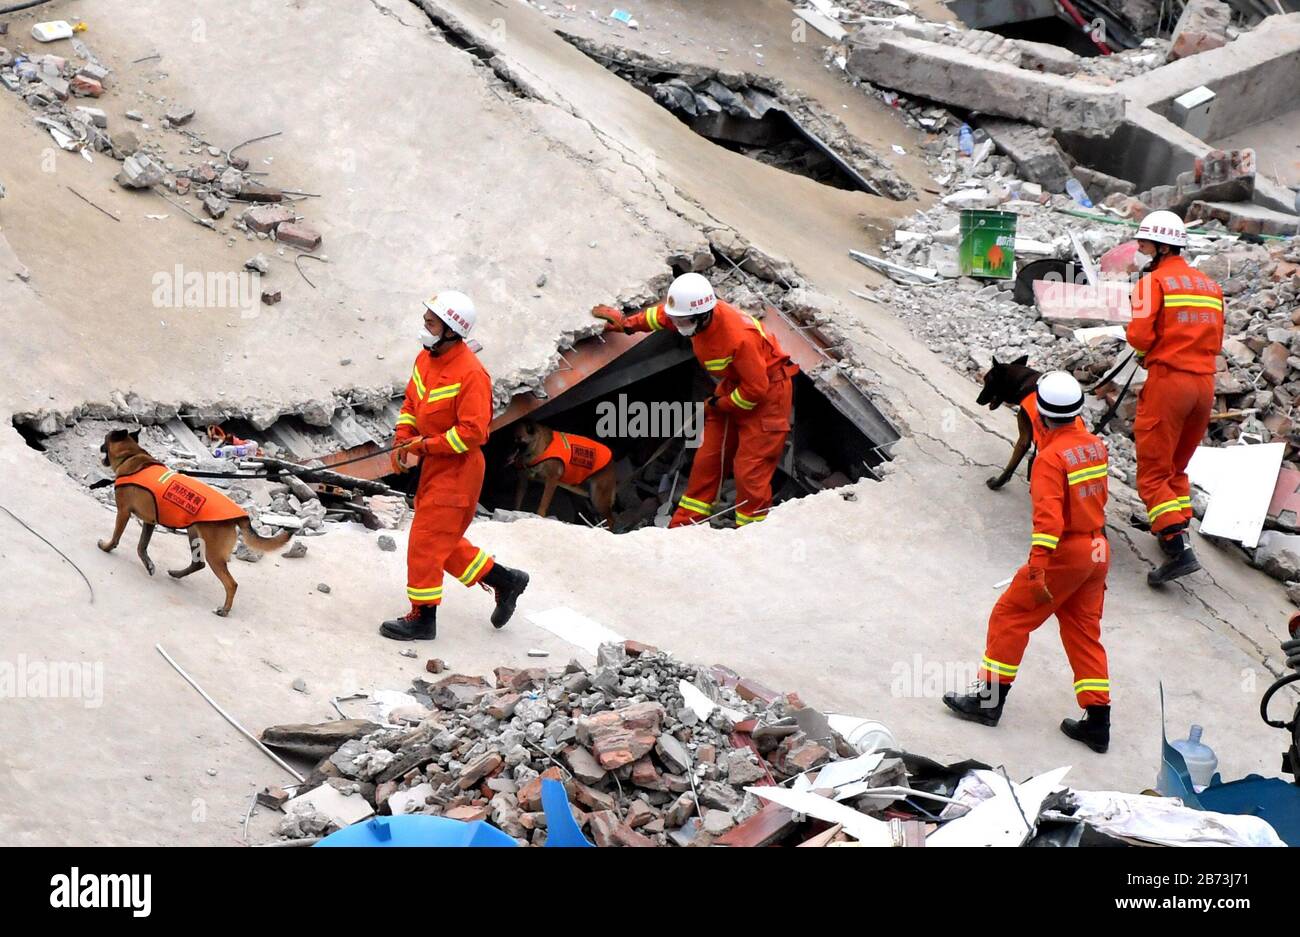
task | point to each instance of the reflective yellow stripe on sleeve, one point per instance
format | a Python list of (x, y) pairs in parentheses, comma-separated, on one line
[(741, 402), (652, 318), (419, 381), (718, 364), (1044, 540), (454, 440), (406, 419)]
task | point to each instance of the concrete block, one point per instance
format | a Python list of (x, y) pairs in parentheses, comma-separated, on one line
[(1203, 26), (962, 79), (140, 172), (1245, 217), (94, 115), (1100, 185), (1043, 57), (178, 115), (1033, 150)]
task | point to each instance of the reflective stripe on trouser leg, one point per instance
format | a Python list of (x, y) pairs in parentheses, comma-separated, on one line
[(468, 563), (436, 543), (696, 503)]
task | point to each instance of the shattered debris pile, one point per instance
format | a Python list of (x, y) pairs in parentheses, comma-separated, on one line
[(653, 752), (52, 84)]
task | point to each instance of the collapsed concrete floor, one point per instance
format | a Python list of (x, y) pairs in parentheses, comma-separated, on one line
[(913, 559)]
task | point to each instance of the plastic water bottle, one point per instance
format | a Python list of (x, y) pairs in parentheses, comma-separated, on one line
[(1200, 758), (235, 452), (1077, 192), (966, 140)]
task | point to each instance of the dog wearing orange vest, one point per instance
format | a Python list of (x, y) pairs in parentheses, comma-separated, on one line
[(542, 454), (147, 490)]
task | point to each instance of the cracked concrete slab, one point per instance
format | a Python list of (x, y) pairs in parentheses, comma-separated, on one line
[(907, 613)]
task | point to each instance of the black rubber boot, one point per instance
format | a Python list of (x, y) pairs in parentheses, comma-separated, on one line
[(419, 624), (982, 704), (1092, 730), (508, 585), (1181, 558)]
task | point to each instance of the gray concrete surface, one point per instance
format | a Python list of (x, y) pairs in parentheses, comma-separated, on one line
[(866, 606)]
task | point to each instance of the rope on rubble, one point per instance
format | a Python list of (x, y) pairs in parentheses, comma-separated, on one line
[(52, 547), (1114, 407), (300, 470)]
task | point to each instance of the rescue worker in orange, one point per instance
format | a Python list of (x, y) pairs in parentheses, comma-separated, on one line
[(441, 431), (1177, 333), (747, 419), (1065, 575)]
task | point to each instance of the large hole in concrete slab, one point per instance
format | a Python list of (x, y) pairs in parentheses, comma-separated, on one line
[(1050, 31), (757, 122), (651, 398)]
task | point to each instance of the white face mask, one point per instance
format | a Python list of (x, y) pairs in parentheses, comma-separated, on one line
[(1142, 261), (426, 339), (687, 327)]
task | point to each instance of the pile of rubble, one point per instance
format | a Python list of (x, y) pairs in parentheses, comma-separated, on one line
[(653, 752), (52, 84)]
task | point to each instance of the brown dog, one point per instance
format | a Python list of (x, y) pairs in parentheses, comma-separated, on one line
[(146, 490), (1009, 383), (556, 459)]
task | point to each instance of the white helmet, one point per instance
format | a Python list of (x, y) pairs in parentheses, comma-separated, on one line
[(1059, 396), (690, 295), (455, 309), (1163, 227)]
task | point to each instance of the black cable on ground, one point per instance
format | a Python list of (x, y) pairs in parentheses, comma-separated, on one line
[(47, 543)]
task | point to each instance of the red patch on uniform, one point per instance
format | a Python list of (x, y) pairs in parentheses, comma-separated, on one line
[(189, 501)]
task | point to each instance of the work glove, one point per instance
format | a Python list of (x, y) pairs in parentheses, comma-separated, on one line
[(1037, 582), (614, 320), (406, 455)]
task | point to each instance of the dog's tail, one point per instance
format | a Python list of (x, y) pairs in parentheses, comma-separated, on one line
[(262, 544)]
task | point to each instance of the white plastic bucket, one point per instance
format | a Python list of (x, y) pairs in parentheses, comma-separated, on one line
[(864, 735)]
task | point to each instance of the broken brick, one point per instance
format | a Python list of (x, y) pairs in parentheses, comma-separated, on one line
[(436, 665), (640, 813), (86, 87), (584, 767), (266, 218), (530, 795), (467, 813), (636, 648), (646, 775), (591, 798), (298, 235), (478, 769), (503, 707)]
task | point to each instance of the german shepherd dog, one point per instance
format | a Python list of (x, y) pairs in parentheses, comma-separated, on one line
[(1010, 383), (533, 439), (210, 540)]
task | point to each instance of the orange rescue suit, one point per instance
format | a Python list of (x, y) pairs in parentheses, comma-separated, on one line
[(180, 500), (746, 426), (448, 403), (582, 457), (1177, 332), (1069, 554)]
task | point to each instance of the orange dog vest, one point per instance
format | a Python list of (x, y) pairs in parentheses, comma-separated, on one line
[(582, 457), (181, 501)]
